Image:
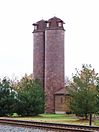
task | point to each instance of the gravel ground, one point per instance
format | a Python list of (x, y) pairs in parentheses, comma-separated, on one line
[(8, 128)]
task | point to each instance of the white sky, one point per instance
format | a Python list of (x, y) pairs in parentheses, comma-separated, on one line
[(16, 38)]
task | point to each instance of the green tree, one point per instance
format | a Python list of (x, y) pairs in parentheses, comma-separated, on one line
[(83, 91), (8, 97), (98, 94), (31, 97)]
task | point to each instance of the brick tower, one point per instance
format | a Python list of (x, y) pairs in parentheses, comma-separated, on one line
[(54, 61), (39, 50), (48, 64)]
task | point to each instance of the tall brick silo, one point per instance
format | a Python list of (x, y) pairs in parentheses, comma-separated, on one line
[(39, 51), (54, 61)]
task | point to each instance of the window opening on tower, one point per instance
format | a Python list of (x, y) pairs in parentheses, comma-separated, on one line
[(59, 24), (35, 27), (47, 25)]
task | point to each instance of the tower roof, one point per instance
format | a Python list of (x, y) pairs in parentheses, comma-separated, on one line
[(55, 23), (55, 19), (52, 23), (39, 26), (40, 22)]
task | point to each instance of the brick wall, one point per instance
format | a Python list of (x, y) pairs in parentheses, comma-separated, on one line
[(48, 58), (54, 66), (38, 56)]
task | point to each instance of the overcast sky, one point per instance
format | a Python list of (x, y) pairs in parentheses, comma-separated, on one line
[(81, 19)]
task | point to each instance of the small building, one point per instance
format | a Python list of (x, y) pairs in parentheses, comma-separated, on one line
[(61, 101)]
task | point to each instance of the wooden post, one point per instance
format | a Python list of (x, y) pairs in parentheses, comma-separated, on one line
[(90, 119)]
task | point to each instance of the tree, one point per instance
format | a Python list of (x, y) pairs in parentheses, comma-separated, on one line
[(31, 97), (8, 97), (97, 87), (83, 91)]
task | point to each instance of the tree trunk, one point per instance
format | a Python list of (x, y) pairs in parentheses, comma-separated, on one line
[(90, 119), (86, 116)]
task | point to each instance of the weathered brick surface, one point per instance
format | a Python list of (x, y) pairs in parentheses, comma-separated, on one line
[(54, 66), (38, 56), (39, 50), (48, 58)]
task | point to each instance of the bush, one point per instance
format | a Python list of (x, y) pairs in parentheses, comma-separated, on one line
[(31, 98)]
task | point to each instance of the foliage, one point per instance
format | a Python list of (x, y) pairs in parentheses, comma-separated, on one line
[(8, 97), (24, 97), (83, 91), (31, 97)]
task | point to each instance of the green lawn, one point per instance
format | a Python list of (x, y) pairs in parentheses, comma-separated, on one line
[(59, 118)]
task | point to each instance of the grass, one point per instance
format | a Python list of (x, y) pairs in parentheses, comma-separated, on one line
[(59, 118), (96, 123)]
